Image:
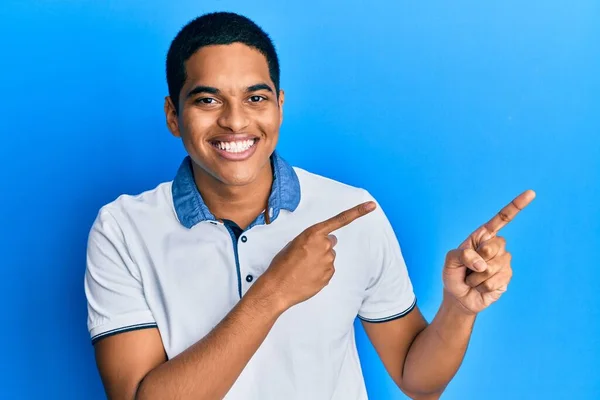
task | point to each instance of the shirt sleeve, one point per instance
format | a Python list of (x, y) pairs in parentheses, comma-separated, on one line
[(113, 287), (389, 294)]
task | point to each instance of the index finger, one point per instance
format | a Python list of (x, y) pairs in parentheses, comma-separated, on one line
[(509, 212), (344, 218)]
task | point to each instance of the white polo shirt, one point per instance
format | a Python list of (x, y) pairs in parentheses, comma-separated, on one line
[(160, 259)]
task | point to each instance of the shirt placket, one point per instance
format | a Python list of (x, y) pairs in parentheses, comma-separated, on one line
[(239, 241)]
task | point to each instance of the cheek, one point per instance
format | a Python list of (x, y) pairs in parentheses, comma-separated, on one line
[(196, 125), (269, 121)]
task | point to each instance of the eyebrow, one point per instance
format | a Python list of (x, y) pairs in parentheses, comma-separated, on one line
[(202, 89), (212, 90), (259, 86)]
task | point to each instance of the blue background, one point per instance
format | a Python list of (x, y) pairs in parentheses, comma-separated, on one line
[(443, 110)]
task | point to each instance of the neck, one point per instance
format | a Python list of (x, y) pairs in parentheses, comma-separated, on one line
[(241, 204)]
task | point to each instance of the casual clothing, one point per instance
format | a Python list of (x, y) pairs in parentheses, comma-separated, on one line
[(161, 259)]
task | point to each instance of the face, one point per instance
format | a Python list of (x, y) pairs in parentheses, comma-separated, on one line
[(229, 115)]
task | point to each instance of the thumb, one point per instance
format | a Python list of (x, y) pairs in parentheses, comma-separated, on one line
[(465, 258)]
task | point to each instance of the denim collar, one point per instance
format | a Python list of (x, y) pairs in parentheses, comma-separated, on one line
[(191, 209)]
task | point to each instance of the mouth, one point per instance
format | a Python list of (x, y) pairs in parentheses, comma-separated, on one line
[(235, 148)]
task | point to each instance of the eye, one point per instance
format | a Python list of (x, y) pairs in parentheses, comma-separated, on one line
[(205, 100), (257, 99)]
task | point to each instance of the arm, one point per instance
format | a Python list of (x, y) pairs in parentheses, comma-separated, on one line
[(422, 358), (133, 365)]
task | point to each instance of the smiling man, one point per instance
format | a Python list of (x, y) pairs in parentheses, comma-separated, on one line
[(229, 282)]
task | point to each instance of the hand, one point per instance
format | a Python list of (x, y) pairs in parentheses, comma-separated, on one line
[(305, 265), (478, 272)]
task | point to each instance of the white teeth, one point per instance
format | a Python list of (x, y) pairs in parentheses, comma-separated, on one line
[(235, 147)]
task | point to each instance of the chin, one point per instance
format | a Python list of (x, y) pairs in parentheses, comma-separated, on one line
[(239, 175), (238, 169)]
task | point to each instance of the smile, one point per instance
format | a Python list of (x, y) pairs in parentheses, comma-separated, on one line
[(235, 147)]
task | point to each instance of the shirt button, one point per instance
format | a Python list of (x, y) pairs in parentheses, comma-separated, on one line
[(249, 278), (244, 239)]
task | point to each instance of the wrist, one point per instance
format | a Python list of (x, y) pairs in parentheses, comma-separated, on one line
[(265, 295), (452, 306), (453, 321)]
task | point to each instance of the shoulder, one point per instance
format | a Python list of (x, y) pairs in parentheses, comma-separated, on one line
[(129, 209), (323, 197), (316, 187)]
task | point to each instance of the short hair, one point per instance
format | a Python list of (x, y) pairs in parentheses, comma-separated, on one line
[(218, 28)]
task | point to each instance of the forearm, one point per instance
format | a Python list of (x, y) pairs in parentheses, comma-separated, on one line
[(209, 368), (437, 352)]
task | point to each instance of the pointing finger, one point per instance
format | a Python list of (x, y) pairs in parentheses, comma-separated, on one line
[(344, 218), (509, 212)]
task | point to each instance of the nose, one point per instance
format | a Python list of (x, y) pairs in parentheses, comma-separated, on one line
[(233, 118)]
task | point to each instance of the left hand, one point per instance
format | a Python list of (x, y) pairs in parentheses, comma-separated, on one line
[(478, 272)]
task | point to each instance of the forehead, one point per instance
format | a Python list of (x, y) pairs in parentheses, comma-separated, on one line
[(227, 66)]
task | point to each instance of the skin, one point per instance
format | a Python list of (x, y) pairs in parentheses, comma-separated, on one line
[(421, 358), (238, 190), (475, 275)]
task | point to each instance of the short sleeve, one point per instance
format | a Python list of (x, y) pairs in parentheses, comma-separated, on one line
[(113, 287), (389, 293)]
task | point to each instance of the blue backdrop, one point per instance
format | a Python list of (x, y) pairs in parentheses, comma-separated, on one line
[(443, 110)]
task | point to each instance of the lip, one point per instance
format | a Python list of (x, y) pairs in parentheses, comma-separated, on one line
[(233, 138)]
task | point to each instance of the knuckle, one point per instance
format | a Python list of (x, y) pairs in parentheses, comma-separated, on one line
[(472, 280), (504, 216), (309, 232), (486, 251), (450, 256), (487, 273), (343, 217), (464, 254), (488, 286), (494, 266)]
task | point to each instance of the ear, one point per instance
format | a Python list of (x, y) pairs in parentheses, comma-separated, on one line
[(172, 117), (280, 103)]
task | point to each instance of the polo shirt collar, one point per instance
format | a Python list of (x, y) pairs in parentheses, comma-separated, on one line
[(191, 209)]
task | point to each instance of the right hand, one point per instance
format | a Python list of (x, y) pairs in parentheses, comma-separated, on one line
[(305, 265)]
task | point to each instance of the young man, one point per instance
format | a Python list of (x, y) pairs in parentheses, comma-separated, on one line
[(228, 282)]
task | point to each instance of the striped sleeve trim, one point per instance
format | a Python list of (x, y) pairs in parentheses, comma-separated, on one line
[(391, 317), (124, 329)]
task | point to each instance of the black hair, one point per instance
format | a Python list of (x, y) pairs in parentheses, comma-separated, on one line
[(218, 28)]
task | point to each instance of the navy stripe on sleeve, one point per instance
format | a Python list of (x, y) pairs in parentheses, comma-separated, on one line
[(391, 317), (112, 332)]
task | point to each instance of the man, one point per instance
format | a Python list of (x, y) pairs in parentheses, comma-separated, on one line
[(228, 282)]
